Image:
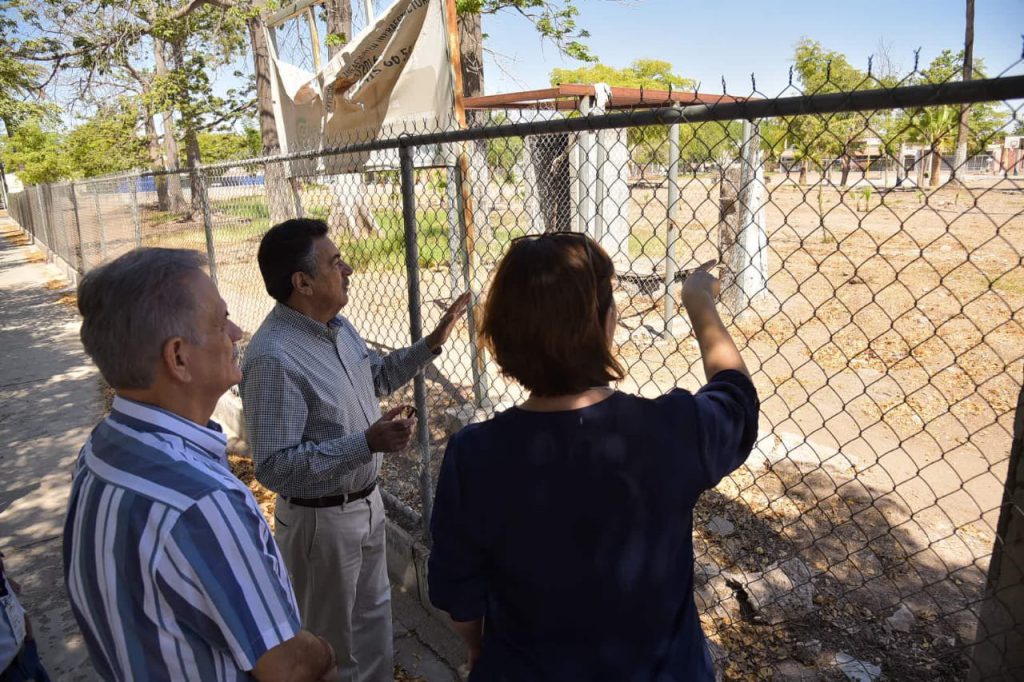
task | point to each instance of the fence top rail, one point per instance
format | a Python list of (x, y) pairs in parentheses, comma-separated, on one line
[(969, 92), (940, 94)]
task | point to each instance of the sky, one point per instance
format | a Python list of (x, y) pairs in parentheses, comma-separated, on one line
[(707, 41)]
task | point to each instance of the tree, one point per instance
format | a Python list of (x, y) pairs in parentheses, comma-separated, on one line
[(106, 143), (35, 154), (937, 128), (505, 153), (20, 77), (217, 147), (555, 20), (821, 139), (647, 144)]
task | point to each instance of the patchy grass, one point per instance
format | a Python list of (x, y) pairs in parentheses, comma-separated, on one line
[(1010, 283)]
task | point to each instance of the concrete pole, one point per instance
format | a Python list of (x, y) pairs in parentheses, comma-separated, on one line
[(671, 304)]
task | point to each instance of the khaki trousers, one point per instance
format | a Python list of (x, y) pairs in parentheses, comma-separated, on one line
[(337, 560)]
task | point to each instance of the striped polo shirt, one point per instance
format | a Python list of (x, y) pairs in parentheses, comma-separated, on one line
[(171, 567)]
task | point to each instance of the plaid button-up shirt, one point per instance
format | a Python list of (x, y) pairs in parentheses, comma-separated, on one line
[(309, 391)]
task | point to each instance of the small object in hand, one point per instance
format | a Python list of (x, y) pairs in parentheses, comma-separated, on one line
[(408, 412), (707, 265), (441, 303)]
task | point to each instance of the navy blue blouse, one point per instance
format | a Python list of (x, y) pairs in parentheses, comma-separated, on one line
[(570, 533)]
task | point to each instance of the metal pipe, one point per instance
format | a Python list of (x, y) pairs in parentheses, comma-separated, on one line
[(481, 383), (672, 236), (412, 268), (82, 265), (99, 225), (985, 90), (136, 221)]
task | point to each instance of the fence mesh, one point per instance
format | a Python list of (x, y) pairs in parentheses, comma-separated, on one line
[(874, 283)]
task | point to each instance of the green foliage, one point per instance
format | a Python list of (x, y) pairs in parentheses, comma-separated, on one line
[(648, 145), (714, 141), (503, 154), (554, 20), (215, 147), (35, 154), (107, 143), (642, 73), (937, 127), (253, 140), (821, 138), (20, 77)]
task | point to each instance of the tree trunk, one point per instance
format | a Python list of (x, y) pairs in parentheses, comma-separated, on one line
[(339, 23), (549, 155), (175, 197), (845, 174), (191, 137), (471, 47), (280, 198), (936, 167), (802, 179), (156, 162), (960, 160)]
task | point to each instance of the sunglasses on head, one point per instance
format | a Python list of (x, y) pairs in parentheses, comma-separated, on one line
[(575, 236)]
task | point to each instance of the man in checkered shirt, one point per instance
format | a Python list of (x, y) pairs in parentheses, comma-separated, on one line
[(310, 389)]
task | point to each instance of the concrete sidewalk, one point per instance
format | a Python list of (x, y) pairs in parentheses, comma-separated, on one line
[(50, 398), (49, 401)]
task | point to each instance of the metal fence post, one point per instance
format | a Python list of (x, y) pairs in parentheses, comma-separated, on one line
[(455, 220), (99, 224), (134, 180), (42, 218), (78, 229), (412, 269), (671, 304), (999, 646), (204, 201)]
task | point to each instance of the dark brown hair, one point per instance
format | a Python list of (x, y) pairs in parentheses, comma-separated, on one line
[(545, 311), (285, 249)]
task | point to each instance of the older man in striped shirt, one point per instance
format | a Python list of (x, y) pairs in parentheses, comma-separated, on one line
[(172, 570)]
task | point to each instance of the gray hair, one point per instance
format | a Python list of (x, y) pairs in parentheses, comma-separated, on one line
[(132, 306)]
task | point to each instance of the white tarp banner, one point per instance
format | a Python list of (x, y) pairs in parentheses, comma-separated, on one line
[(394, 77), (298, 112)]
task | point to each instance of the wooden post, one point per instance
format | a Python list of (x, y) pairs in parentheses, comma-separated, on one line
[(477, 360)]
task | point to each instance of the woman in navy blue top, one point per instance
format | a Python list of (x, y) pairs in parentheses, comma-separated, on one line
[(563, 527)]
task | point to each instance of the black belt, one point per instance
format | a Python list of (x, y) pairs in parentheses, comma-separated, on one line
[(331, 500)]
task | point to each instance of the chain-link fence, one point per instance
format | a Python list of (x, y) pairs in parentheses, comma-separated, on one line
[(872, 276)]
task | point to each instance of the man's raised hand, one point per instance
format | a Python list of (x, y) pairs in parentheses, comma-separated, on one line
[(456, 310)]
